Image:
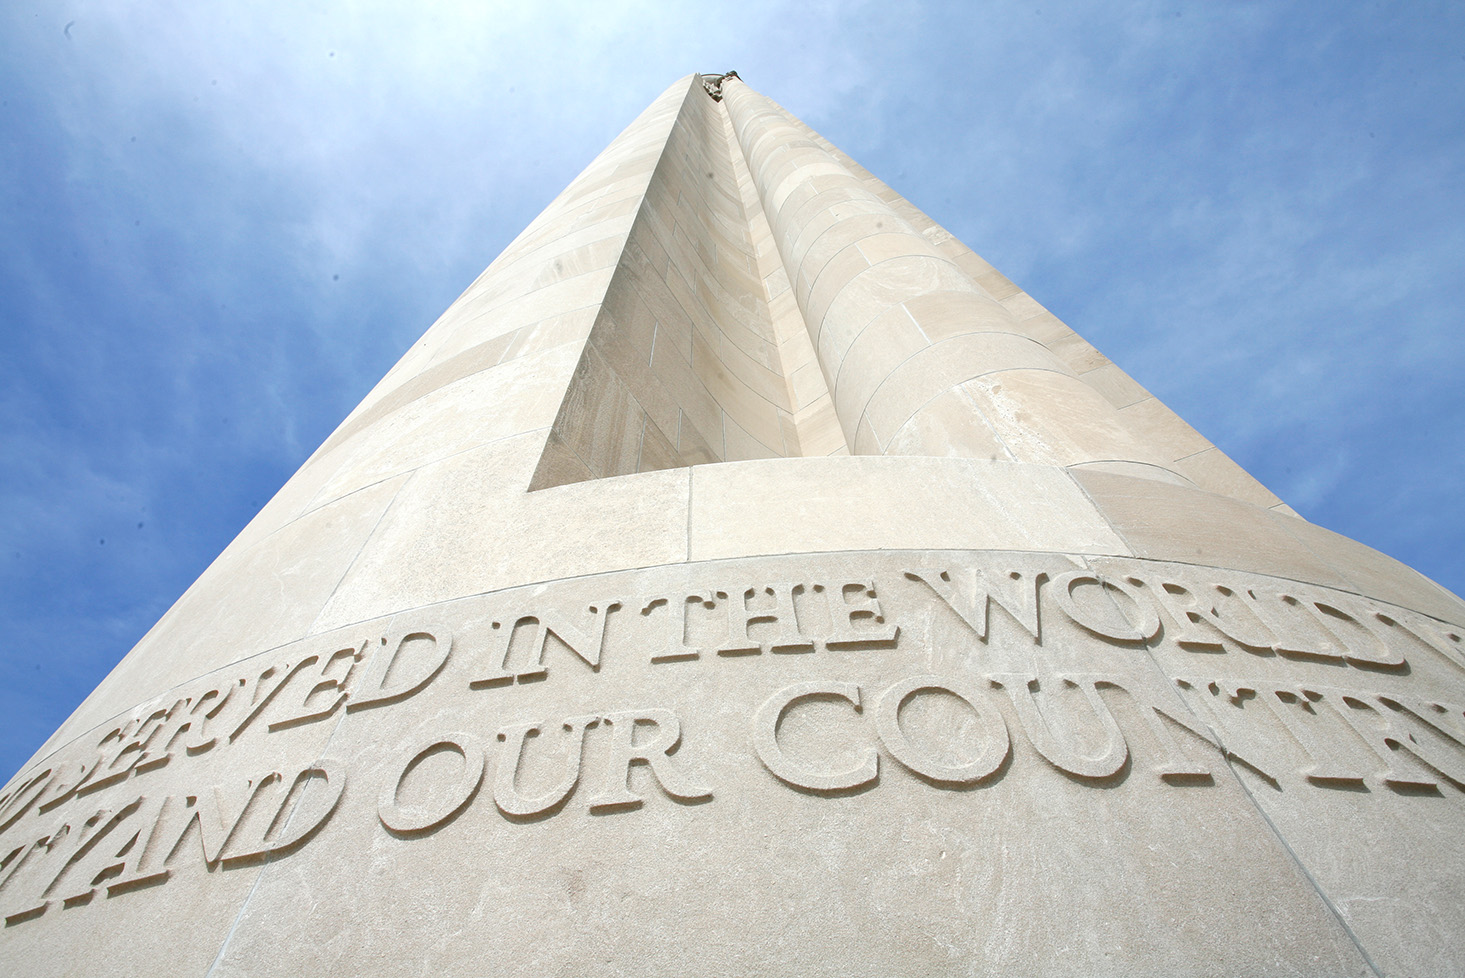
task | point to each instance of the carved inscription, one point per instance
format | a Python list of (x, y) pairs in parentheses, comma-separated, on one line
[(1096, 674), (138, 843)]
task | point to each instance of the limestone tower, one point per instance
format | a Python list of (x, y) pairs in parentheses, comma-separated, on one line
[(743, 577)]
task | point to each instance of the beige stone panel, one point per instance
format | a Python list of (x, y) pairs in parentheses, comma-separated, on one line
[(599, 419), (940, 366), (807, 385), (552, 300), (514, 397), (783, 176), (1117, 387), (1023, 306), (945, 314), (607, 213), (817, 194), (777, 283), (753, 338), (253, 600), (657, 451), (1366, 862), (699, 407), (618, 178), (124, 938), (682, 292), (742, 318), (694, 448), (1214, 471), (1165, 522), (652, 251), (871, 293), (1137, 470), (769, 384), (819, 429), (787, 174), (500, 536), (1162, 429), (876, 354), (741, 404), (1077, 352), (867, 502), (598, 218), (465, 364), (865, 442), (813, 198), (948, 425), (547, 334), (1377, 574), (586, 258), (834, 230), (526, 268), (789, 431), (625, 314), (1052, 417), (895, 244), (673, 322), (735, 270), (963, 258), (629, 361), (559, 465), (741, 445), (1049, 330), (997, 285), (830, 280)]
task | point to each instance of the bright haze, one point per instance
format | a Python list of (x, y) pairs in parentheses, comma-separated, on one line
[(221, 223)]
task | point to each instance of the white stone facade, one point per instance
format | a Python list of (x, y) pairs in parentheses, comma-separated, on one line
[(743, 577)]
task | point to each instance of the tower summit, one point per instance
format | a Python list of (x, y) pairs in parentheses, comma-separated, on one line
[(744, 577)]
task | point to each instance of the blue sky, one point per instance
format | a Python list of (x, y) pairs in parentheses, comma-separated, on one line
[(221, 223)]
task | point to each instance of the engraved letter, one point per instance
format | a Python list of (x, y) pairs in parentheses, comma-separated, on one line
[(777, 622), (1053, 747), (392, 676), (857, 604), (1136, 624), (325, 696), (995, 743), (973, 602), (400, 819), (765, 740), (505, 785), (586, 645), (614, 792), (300, 815)]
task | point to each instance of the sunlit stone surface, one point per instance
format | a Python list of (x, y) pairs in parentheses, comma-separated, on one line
[(743, 577)]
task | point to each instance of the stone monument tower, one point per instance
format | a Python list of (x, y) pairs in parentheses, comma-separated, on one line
[(743, 577)]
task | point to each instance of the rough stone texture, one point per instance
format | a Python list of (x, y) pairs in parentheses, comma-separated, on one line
[(743, 577)]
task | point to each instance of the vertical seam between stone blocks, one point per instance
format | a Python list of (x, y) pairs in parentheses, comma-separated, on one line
[(1099, 511), (691, 469), (1251, 799), (1297, 860), (249, 897), (641, 441)]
